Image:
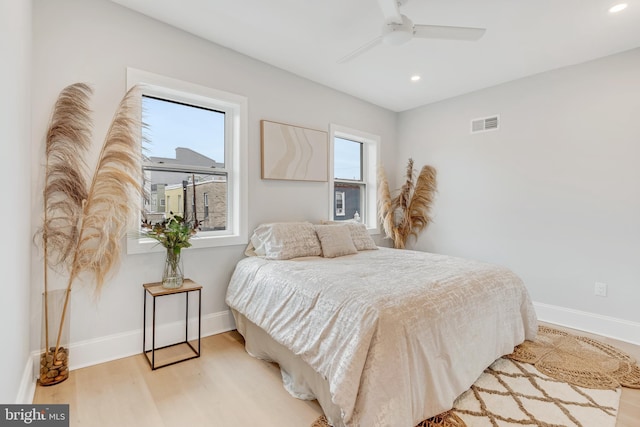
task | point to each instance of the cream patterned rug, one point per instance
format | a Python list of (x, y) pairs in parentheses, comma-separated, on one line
[(557, 380)]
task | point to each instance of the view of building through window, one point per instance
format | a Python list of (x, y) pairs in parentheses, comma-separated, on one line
[(349, 187), (184, 167)]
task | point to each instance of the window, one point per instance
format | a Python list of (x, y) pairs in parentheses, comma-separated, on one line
[(347, 173), (347, 159), (184, 156), (195, 146), (353, 187), (339, 203)]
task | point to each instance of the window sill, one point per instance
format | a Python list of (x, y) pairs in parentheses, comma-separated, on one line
[(149, 246)]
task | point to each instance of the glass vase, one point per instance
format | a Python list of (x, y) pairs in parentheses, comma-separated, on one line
[(54, 352), (172, 276)]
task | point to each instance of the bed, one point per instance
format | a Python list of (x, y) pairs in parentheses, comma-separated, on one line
[(380, 336)]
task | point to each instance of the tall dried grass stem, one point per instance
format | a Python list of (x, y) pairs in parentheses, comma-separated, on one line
[(68, 139)]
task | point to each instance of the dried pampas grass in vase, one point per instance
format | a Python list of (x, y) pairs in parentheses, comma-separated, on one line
[(85, 215), (407, 214)]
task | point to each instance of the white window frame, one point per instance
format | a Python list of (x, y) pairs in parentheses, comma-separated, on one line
[(370, 156), (236, 148)]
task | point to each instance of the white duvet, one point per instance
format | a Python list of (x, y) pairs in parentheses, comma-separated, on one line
[(397, 334)]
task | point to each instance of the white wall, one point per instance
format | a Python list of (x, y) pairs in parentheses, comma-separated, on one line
[(554, 194), (15, 165), (94, 41)]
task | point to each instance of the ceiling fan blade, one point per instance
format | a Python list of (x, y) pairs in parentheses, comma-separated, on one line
[(362, 49), (390, 11), (446, 32)]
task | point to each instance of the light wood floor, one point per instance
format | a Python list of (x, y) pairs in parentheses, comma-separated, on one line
[(224, 388)]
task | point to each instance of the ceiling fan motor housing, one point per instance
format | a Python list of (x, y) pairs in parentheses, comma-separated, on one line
[(396, 34)]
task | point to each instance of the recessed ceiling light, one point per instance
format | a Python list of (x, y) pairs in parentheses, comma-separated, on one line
[(415, 78), (618, 7)]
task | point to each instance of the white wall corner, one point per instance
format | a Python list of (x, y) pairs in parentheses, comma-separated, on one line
[(619, 329), (27, 384)]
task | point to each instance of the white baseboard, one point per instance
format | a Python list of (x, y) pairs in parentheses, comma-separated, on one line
[(619, 329), (27, 385), (125, 344)]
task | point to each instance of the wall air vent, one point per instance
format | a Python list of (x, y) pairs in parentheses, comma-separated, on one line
[(485, 124)]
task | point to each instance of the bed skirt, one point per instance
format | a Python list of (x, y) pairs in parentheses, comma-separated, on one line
[(298, 378)]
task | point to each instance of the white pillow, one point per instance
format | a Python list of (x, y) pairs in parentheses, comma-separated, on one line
[(335, 240), (362, 240), (286, 240)]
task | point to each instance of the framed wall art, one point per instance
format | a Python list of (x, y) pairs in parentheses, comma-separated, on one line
[(293, 152)]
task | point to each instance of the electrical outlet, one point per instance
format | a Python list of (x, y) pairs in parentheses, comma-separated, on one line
[(600, 289)]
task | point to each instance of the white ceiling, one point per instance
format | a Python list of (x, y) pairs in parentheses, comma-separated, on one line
[(307, 37)]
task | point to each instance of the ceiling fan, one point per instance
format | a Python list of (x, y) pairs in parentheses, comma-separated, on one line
[(398, 29)]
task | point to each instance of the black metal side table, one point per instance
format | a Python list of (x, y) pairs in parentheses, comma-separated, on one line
[(156, 290)]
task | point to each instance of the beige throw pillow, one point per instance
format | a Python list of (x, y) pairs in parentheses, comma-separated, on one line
[(335, 240), (362, 240)]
